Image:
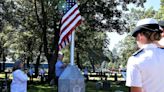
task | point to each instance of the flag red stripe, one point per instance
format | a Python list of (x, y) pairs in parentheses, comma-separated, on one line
[(76, 9), (69, 23), (69, 28), (68, 20), (70, 32)]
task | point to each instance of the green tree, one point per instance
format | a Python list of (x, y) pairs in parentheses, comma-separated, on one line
[(160, 14), (99, 16), (128, 46), (136, 14), (42, 18), (90, 47)]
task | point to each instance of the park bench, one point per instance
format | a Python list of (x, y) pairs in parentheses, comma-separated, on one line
[(102, 76), (123, 73), (5, 82), (4, 85)]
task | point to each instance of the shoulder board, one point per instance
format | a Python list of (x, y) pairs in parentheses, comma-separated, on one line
[(162, 48), (137, 52)]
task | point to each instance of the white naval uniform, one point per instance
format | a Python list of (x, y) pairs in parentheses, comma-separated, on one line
[(19, 82), (145, 69)]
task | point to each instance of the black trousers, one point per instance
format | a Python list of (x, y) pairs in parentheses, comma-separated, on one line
[(56, 80)]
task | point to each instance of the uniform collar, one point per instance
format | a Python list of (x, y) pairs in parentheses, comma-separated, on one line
[(147, 46), (144, 47)]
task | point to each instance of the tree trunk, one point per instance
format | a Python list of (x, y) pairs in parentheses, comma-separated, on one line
[(92, 63), (0, 51), (51, 57), (51, 65), (54, 56), (3, 58), (28, 60), (78, 61), (38, 61), (43, 24), (29, 57), (37, 65)]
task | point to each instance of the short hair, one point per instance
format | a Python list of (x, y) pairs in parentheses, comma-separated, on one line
[(60, 54), (17, 65)]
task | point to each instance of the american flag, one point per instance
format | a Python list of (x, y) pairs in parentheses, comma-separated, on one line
[(69, 22)]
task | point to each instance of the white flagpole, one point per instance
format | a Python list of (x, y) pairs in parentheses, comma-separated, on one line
[(72, 48)]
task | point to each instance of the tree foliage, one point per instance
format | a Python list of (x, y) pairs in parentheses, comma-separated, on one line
[(99, 16), (160, 14), (31, 28), (125, 49), (128, 46), (104, 15)]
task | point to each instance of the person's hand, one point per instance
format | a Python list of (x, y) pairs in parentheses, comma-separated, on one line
[(25, 71), (64, 65)]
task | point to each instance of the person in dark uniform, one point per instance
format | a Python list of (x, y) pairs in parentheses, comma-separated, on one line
[(59, 66), (144, 66)]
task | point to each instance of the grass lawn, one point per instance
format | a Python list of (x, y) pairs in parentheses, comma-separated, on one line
[(114, 86), (90, 87), (41, 88)]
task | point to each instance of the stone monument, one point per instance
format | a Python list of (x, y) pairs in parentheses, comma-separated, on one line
[(71, 80)]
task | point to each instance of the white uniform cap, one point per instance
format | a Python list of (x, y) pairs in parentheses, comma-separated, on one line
[(148, 24), (146, 21)]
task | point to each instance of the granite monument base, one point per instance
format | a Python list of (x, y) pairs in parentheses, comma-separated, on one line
[(71, 80)]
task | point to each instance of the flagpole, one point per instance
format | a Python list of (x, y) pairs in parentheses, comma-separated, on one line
[(72, 48)]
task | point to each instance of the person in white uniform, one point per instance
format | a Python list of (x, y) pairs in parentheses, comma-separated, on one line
[(19, 82), (144, 66)]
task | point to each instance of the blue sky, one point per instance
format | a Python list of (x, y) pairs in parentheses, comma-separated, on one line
[(115, 38), (154, 3)]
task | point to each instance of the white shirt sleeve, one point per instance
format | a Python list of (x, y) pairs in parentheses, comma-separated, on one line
[(133, 74), (20, 75)]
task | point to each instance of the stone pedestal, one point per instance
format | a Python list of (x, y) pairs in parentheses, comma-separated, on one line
[(71, 80)]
